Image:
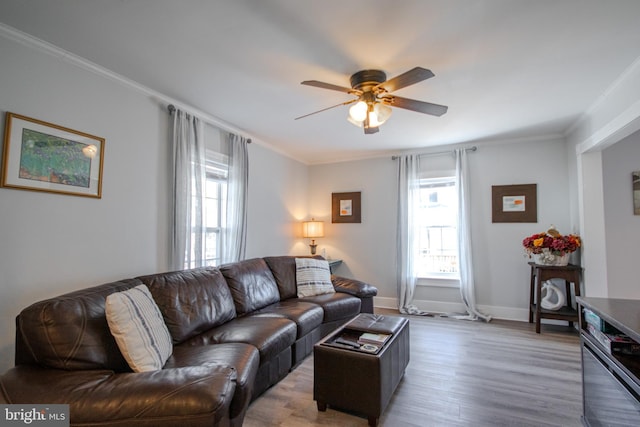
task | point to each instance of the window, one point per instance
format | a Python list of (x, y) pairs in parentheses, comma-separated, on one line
[(438, 231), (215, 206), (215, 196)]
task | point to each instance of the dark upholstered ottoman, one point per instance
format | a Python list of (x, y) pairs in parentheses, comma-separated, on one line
[(349, 378)]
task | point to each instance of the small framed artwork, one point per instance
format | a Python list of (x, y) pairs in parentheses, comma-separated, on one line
[(635, 182), (345, 207), (41, 156), (514, 203)]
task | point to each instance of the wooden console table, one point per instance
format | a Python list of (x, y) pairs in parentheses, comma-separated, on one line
[(541, 273)]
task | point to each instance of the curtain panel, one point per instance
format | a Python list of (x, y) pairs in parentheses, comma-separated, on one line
[(407, 244), (234, 227), (188, 176), (467, 282)]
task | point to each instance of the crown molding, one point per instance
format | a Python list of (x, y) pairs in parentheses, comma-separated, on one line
[(30, 41)]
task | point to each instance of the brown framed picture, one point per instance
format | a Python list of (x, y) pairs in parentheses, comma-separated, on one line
[(345, 207), (41, 156), (514, 203)]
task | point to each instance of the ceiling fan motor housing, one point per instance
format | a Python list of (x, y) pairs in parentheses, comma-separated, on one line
[(367, 78)]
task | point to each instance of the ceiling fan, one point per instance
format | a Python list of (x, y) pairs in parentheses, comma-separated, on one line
[(373, 102)]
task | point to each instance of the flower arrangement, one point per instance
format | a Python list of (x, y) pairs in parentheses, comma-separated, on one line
[(551, 241)]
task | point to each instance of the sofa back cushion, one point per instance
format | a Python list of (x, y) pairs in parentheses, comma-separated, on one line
[(70, 331), (284, 272), (191, 301), (252, 284)]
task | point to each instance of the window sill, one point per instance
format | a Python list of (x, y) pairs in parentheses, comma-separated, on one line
[(439, 282)]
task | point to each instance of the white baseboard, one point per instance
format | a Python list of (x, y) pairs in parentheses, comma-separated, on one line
[(497, 312)]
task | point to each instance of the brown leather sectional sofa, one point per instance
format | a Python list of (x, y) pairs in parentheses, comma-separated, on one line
[(236, 331)]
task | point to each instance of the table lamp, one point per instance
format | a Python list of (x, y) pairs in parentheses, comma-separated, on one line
[(313, 229)]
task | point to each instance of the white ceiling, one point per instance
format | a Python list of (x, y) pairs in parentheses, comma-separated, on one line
[(507, 69)]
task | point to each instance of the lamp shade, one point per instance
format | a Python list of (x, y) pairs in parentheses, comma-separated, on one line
[(313, 228)]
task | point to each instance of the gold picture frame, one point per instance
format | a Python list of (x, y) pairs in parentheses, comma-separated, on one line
[(41, 156)]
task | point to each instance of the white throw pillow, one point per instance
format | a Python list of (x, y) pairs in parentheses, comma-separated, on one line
[(313, 277), (137, 325)]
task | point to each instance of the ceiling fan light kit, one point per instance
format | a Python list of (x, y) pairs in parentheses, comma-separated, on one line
[(372, 105), (358, 112), (371, 114)]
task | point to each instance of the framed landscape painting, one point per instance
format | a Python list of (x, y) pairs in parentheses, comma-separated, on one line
[(41, 156)]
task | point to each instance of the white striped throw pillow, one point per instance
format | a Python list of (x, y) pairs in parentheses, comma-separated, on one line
[(313, 277), (137, 325)]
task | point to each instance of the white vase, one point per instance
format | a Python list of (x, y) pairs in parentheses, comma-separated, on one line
[(548, 258)]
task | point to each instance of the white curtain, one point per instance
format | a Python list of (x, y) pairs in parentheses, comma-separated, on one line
[(467, 285), (189, 175), (234, 227), (407, 244)]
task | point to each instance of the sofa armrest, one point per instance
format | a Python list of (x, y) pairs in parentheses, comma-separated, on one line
[(353, 287), (196, 394)]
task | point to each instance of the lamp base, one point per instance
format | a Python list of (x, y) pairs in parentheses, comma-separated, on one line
[(313, 247)]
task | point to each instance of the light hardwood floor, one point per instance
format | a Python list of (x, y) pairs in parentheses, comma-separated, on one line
[(461, 373)]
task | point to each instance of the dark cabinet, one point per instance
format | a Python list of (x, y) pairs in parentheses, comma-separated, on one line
[(610, 377)]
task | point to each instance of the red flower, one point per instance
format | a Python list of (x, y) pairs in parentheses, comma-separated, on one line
[(558, 245)]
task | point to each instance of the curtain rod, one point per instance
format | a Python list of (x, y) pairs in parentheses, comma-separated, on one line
[(437, 153), (172, 110)]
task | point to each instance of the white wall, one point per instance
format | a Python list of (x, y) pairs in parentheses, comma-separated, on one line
[(277, 203), (367, 249), (592, 225), (611, 119), (502, 273), (51, 243), (55, 243), (623, 227)]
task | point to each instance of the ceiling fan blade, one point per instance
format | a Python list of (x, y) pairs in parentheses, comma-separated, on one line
[(412, 76), (328, 108), (413, 105), (323, 85), (370, 130)]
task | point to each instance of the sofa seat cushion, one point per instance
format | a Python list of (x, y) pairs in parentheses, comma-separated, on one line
[(306, 315), (252, 285), (244, 358), (337, 306), (270, 335), (191, 301), (194, 396)]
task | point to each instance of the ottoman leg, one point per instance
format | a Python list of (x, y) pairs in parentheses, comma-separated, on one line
[(373, 421), (321, 406)]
